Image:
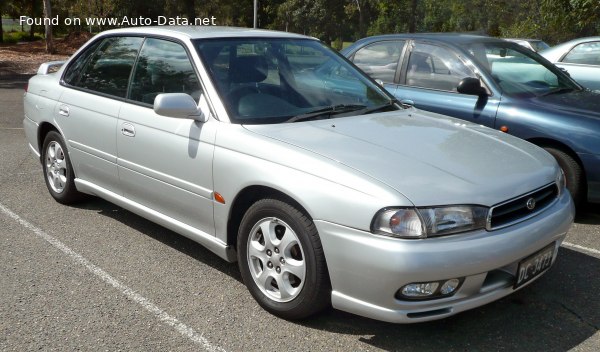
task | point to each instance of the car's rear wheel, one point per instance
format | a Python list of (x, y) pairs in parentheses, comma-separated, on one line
[(573, 173), (281, 260), (58, 172)]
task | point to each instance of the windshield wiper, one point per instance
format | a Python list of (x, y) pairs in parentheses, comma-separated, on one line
[(368, 110), (329, 110), (558, 90)]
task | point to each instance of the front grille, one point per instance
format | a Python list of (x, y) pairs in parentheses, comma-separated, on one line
[(517, 210)]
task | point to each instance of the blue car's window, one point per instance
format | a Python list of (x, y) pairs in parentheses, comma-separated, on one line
[(435, 67), (264, 80), (586, 54), (163, 67), (380, 60), (518, 71)]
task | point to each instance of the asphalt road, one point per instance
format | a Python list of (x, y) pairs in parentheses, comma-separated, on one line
[(97, 277)]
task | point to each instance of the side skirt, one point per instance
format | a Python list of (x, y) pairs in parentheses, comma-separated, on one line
[(210, 242)]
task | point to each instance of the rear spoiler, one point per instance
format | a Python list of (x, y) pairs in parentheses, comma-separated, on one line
[(49, 67)]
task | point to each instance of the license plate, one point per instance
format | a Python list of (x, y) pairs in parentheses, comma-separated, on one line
[(534, 265)]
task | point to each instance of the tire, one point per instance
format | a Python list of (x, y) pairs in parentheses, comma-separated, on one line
[(58, 171), (573, 174), (281, 260)]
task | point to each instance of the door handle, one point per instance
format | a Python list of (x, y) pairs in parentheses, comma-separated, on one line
[(128, 130), (63, 110)]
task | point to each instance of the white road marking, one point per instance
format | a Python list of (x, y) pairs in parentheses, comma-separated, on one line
[(163, 316), (582, 248)]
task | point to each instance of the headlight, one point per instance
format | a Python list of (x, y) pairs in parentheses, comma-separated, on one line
[(561, 181), (429, 222)]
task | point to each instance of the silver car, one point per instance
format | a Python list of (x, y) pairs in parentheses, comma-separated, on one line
[(580, 58), (531, 44), (272, 150)]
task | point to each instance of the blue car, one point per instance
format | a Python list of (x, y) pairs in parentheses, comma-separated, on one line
[(495, 83)]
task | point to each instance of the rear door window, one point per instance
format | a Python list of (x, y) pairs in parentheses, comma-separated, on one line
[(380, 60), (108, 69)]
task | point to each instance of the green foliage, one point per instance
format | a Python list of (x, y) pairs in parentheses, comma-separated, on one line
[(336, 21), (15, 37)]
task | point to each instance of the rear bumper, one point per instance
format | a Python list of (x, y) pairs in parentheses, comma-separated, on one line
[(31, 131), (367, 270)]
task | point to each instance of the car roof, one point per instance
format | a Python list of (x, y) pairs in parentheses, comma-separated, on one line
[(451, 38), (523, 39), (199, 32), (556, 52)]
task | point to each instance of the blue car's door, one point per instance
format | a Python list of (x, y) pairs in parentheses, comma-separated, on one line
[(429, 80)]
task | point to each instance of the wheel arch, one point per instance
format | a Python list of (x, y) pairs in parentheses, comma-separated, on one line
[(43, 130), (244, 200), (551, 143)]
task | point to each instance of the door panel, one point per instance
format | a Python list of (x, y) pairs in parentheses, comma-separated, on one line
[(167, 164), (480, 110), (89, 123)]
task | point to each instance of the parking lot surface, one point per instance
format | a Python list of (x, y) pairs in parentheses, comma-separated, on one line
[(97, 277)]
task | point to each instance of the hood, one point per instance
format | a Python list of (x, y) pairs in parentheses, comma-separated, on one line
[(430, 159), (584, 103)]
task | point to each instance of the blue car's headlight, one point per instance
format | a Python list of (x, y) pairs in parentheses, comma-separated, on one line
[(429, 222)]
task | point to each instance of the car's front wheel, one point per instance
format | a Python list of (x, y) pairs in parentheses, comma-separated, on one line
[(573, 174), (58, 172), (281, 260)]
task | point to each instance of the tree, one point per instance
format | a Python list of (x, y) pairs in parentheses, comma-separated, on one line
[(1, 29), (50, 49)]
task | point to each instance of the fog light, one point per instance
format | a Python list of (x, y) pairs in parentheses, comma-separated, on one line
[(417, 290), (449, 286)]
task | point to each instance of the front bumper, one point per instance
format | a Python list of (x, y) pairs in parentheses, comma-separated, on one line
[(367, 270), (591, 163)]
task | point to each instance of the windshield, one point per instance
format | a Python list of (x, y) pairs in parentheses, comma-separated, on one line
[(267, 80), (519, 71)]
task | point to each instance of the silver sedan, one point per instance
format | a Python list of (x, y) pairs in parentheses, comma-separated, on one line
[(274, 151), (580, 58)]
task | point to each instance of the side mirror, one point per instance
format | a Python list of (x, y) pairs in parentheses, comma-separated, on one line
[(471, 86), (178, 105)]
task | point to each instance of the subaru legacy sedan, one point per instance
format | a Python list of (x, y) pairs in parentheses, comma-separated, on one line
[(494, 83), (274, 151)]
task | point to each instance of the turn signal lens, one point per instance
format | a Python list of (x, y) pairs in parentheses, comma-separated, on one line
[(218, 197), (399, 223)]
